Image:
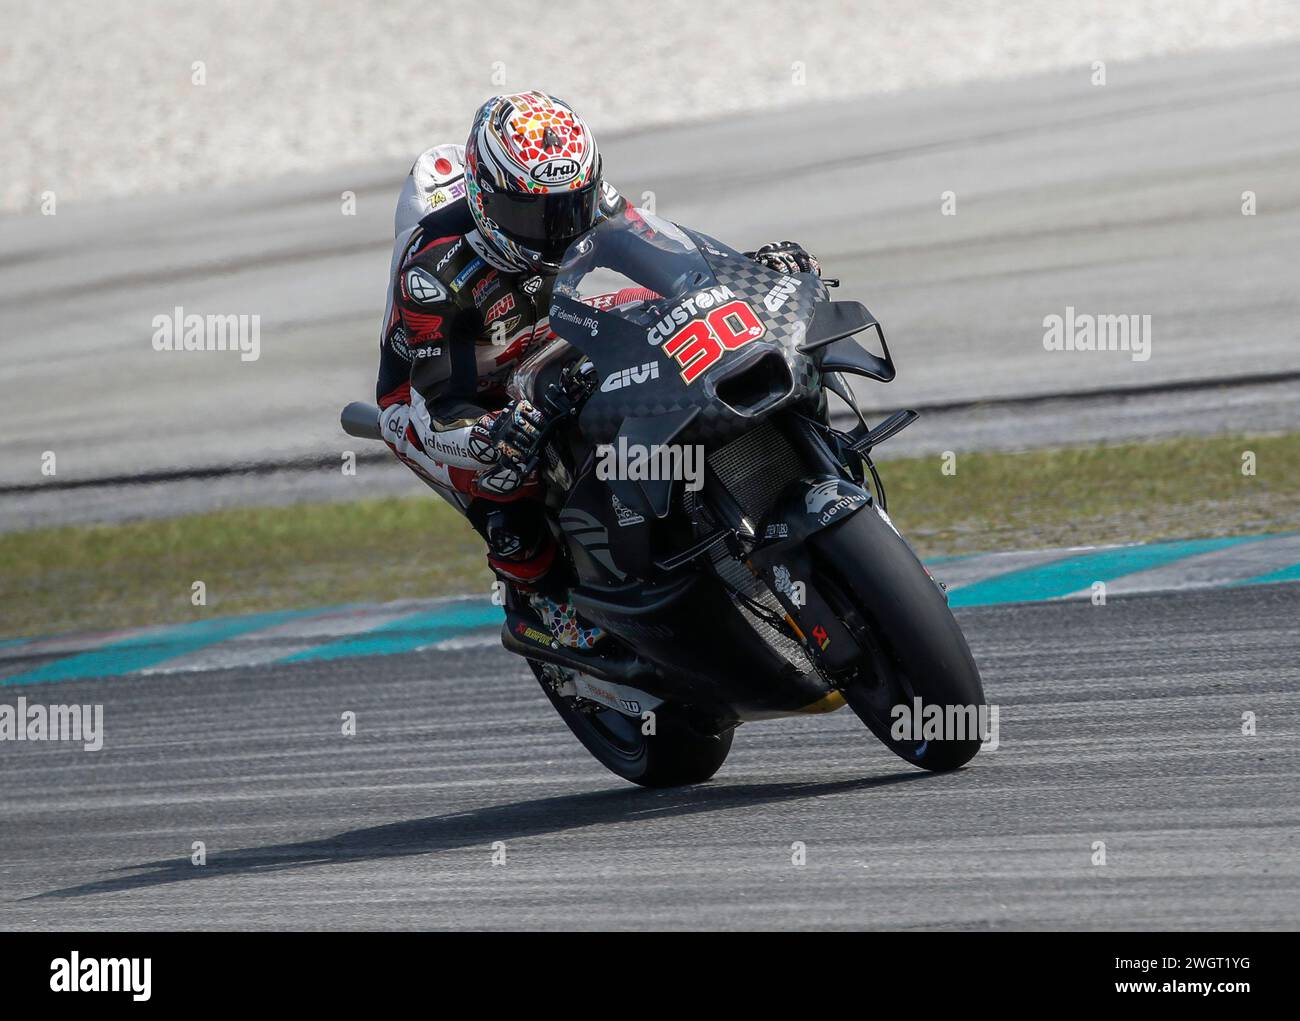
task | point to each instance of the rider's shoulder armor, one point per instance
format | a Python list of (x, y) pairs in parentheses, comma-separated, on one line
[(436, 182)]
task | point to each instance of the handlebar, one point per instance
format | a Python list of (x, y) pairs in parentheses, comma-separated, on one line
[(362, 420)]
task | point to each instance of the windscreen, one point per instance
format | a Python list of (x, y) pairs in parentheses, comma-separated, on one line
[(634, 266)]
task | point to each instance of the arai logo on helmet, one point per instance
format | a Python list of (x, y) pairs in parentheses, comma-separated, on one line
[(560, 170)]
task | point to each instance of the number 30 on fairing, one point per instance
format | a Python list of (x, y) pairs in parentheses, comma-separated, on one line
[(700, 343)]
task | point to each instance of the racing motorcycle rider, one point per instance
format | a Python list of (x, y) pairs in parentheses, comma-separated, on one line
[(480, 231)]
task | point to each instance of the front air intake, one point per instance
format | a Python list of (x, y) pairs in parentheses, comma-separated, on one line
[(756, 387)]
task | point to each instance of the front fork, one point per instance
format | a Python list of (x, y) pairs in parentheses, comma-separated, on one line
[(786, 562), (794, 579)]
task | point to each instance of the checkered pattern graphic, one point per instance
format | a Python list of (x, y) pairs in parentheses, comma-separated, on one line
[(785, 327), (621, 342), (754, 282)]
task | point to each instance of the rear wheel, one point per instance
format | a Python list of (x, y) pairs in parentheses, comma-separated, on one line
[(914, 646), (674, 755)]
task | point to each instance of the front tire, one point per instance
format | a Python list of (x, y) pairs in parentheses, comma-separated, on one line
[(914, 646), (675, 755)]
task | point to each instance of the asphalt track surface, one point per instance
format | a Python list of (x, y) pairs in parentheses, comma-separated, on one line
[(1119, 723), (1115, 199)]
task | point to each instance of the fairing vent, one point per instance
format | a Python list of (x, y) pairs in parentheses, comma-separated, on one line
[(758, 387), (756, 467)]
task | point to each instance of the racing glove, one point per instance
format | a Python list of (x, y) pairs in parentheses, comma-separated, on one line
[(506, 443), (786, 257)]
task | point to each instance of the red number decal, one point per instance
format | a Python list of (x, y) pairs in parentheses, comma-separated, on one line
[(735, 324), (699, 344), (695, 347)]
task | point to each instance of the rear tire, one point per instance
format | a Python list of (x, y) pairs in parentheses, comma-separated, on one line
[(915, 648), (676, 755)]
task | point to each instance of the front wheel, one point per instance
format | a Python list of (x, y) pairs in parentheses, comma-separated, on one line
[(674, 755), (914, 648)]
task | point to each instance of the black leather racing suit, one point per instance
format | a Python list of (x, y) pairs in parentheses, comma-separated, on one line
[(459, 320)]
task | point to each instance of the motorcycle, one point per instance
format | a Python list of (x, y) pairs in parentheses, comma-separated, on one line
[(714, 523)]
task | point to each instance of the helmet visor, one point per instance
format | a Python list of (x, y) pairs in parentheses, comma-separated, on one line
[(546, 223)]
